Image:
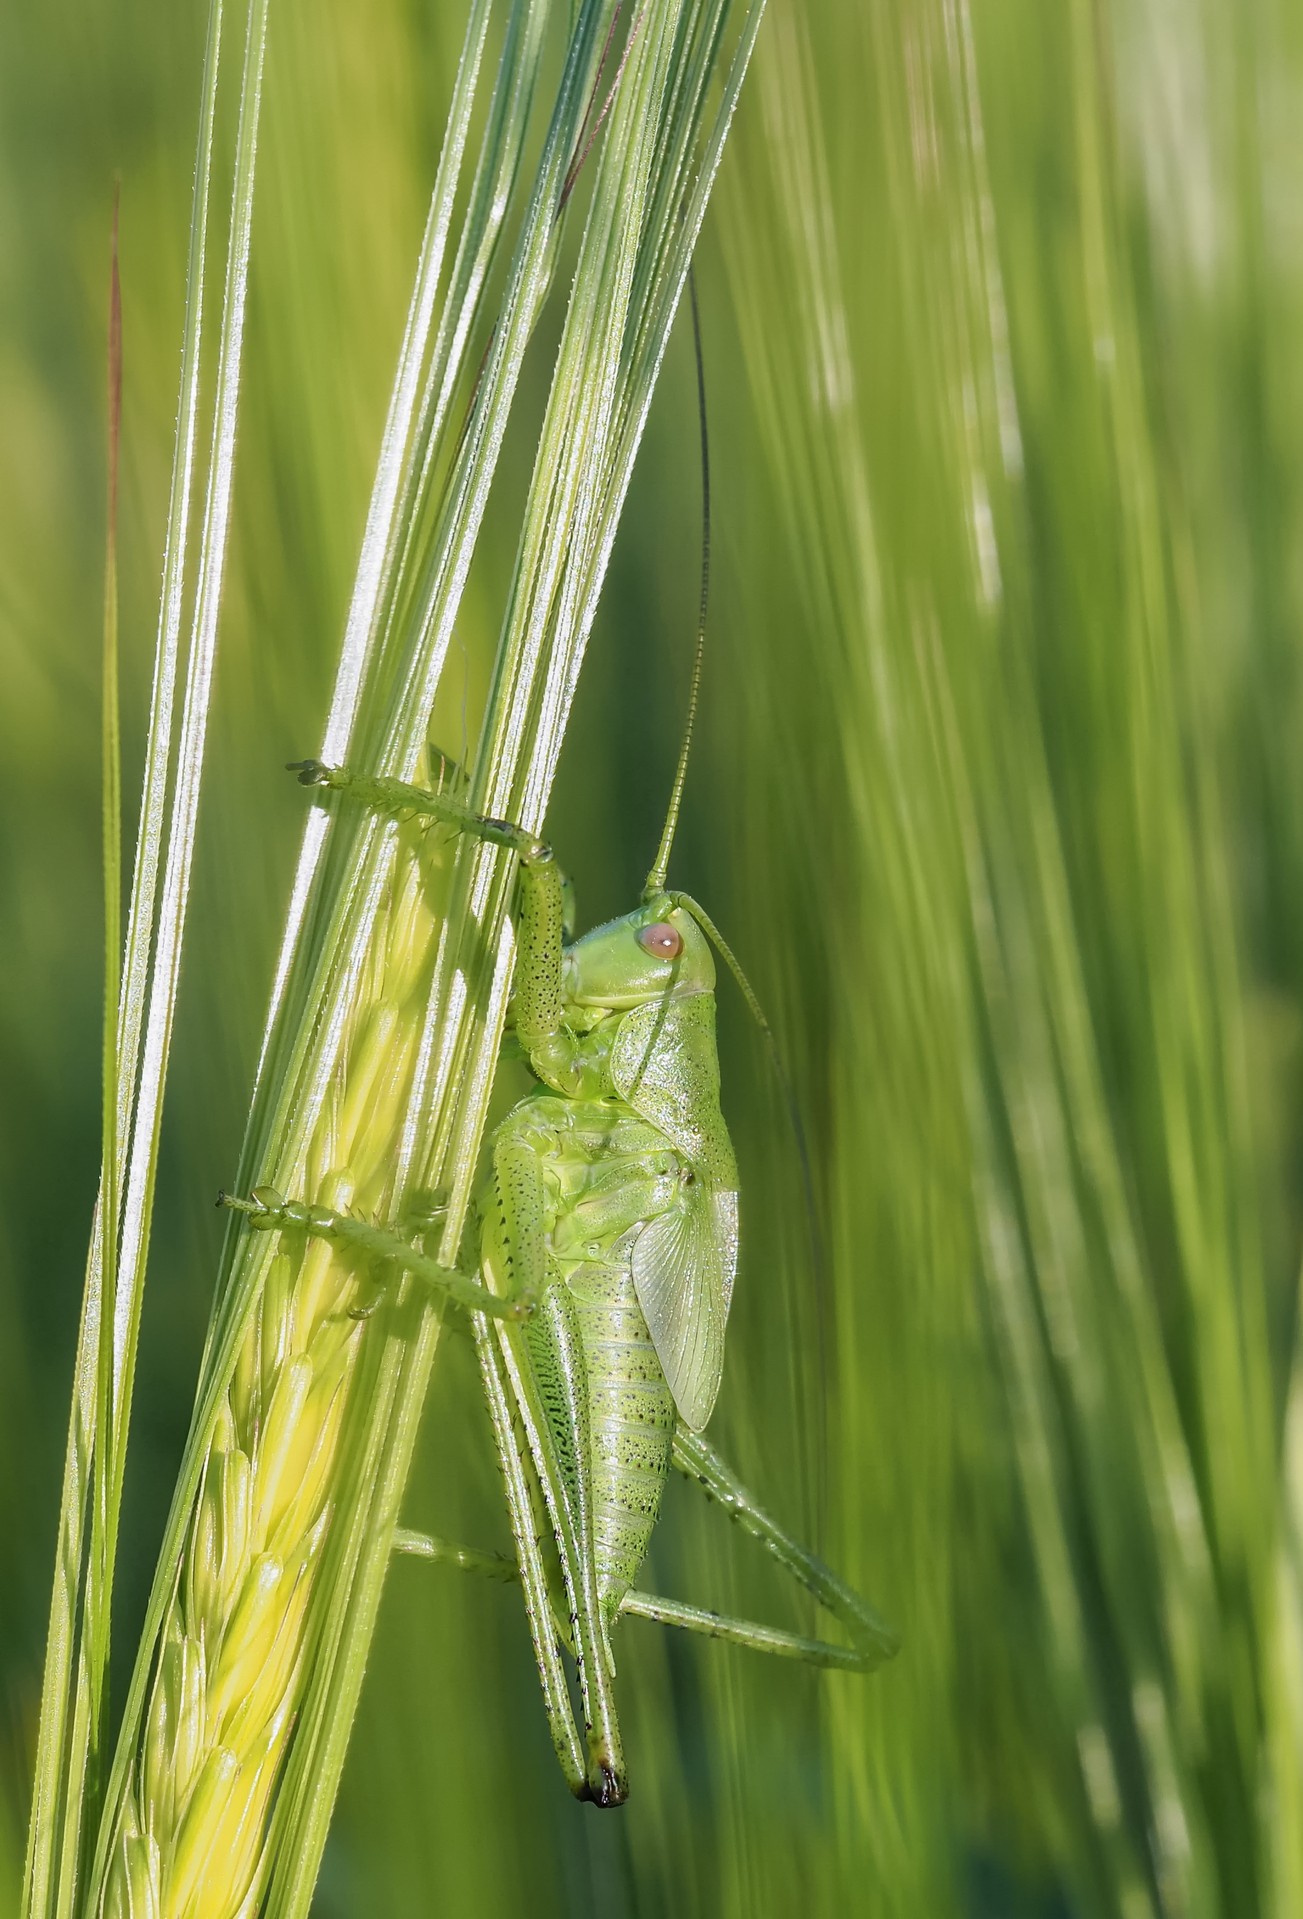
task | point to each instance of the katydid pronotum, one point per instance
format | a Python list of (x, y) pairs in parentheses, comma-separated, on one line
[(608, 1244)]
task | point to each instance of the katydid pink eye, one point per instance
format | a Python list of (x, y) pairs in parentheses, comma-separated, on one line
[(664, 940)]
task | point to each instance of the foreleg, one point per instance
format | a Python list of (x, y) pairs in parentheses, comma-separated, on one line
[(538, 998), (270, 1212)]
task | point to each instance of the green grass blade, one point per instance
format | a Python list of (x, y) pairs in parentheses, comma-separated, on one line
[(63, 1757), (104, 1529), (139, 1006), (423, 385)]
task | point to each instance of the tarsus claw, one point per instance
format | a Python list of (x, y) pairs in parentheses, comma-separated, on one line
[(310, 772)]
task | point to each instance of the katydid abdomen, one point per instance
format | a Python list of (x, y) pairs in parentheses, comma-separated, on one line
[(631, 1423), (605, 1176)]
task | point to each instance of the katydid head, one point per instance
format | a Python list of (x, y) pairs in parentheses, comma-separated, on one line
[(656, 951)]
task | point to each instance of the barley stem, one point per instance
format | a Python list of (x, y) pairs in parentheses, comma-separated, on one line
[(224, 1696)]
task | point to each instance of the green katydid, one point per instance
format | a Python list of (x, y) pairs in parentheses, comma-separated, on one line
[(608, 1247)]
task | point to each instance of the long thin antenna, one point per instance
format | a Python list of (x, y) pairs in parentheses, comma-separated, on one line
[(656, 878)]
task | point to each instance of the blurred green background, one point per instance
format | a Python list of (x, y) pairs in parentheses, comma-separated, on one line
[(995, 796)]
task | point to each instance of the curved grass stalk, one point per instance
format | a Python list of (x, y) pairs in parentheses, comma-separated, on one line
[(387, 1012), (140, 1001)]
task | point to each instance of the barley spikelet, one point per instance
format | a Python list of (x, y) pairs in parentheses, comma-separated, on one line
[(232, 1670)]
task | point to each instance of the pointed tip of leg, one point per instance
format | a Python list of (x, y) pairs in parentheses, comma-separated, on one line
[(310, 772), (604, 1786), (607, 1787)]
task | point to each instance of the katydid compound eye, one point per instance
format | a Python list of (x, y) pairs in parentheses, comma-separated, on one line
[(664, 940)]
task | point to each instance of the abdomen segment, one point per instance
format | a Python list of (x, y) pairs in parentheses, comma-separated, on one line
[(631, 1422)]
